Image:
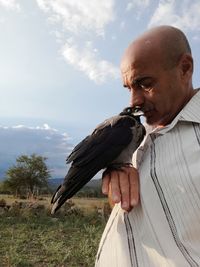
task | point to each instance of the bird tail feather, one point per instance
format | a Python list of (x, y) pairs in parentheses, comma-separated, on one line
[(68, 189)]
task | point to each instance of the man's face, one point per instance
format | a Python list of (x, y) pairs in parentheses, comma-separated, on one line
[(157, 90)]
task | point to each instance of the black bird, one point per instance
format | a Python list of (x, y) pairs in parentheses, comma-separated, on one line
[(110, 146)]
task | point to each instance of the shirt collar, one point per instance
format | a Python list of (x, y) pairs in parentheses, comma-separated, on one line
[(190, 113)]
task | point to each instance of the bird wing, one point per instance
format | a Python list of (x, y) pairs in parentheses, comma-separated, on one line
[(91, 155), (109, 138)]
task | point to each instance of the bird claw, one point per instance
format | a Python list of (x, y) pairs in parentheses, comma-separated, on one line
[(116, 167)]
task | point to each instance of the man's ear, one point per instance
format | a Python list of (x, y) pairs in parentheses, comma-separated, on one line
[(186, 65)]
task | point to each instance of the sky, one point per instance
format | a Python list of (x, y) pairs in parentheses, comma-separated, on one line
[(59, 67)]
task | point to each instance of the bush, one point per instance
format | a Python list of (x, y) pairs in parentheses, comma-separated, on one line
[(2, 203)]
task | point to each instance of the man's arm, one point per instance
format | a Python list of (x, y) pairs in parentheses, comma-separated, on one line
[(122, 186)]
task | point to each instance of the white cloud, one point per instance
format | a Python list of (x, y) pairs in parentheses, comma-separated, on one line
[(10, 4), (138, 7), (182, 14), (80, 15), (79, 20), (135, 4), (42, 140), (86, 59)]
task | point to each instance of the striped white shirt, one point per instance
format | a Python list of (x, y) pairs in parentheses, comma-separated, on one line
[(164, 229)]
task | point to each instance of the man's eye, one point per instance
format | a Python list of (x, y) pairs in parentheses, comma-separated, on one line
[(145, 87)]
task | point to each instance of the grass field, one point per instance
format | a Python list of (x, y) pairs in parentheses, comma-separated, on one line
[(41, 240)]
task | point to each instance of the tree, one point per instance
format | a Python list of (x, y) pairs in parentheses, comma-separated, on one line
[(29, 174)]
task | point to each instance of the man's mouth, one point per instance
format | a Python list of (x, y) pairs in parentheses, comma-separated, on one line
[(141, 111), (148, 112)]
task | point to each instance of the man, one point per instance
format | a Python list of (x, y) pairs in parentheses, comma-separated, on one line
[(160, 226)]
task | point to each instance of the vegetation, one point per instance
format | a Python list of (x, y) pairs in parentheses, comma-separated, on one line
[(39, 242), (37, 239), (88, 191), (29, 174), (31, 237)]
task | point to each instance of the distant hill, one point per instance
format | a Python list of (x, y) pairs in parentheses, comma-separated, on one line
[(95, 183), (55, 182), (40, 140), (91, 189)]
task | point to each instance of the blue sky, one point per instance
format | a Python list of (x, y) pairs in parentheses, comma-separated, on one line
[(59, 65)]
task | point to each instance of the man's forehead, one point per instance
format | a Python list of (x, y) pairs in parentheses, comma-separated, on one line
[(128, 58), (134, 56), (127, 67), (131, 66), (130, 76)]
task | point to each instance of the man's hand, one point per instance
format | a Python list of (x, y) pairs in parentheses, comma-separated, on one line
[(122, 186)]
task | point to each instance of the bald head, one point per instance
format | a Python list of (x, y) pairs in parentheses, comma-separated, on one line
[(157, 69), (165, 43)]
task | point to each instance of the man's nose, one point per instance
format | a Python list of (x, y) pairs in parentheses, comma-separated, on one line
[(136, 98)]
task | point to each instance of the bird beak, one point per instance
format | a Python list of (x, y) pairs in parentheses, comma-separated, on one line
[(138, 111)]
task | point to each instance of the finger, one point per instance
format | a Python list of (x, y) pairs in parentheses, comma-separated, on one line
[(105, 184), (115, 190), (110, 200), (134, 186), (125, 190)]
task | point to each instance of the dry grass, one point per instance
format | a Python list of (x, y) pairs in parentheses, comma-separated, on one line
[(86, 204), (64, 240)]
